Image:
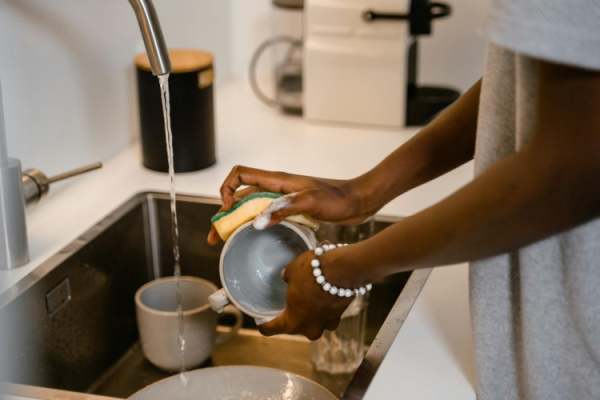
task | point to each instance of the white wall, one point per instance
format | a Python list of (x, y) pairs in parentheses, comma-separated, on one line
[(68, 83), (251, 24), (453, 55), (69, 90)]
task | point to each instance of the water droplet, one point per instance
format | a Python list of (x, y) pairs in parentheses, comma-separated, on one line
[(183, 378)]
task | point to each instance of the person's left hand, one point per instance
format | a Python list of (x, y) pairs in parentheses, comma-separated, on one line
[(310, 310)]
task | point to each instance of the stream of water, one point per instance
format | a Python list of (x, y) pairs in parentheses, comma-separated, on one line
[(166, 108)]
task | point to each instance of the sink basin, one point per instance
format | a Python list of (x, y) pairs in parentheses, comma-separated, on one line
[(70, 324)]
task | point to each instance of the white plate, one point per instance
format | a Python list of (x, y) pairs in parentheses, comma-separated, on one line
[(235, 383)]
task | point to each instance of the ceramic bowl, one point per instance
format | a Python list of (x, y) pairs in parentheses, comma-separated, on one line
[(235, 383)]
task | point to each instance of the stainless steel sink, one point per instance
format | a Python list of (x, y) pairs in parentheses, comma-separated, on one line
[(70, 324)]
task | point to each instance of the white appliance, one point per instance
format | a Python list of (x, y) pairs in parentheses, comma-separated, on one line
[(360, 59), (355, 71), (285, 44)]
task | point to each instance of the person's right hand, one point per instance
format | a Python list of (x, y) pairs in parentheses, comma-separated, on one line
[(340, 201)]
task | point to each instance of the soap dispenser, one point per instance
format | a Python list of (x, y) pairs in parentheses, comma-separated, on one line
[(13, 231)]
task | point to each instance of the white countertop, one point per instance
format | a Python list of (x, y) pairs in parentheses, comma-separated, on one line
[(431, 358)]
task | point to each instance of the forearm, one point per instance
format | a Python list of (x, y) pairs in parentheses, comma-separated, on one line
[(550, 185), (444, 144), (521, 199)]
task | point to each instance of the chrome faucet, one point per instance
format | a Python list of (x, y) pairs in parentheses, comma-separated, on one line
[(156, 49), (13, 231)]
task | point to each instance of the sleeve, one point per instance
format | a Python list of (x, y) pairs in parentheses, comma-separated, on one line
[(560, 31)]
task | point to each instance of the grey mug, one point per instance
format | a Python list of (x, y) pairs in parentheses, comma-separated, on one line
[(251, 264)]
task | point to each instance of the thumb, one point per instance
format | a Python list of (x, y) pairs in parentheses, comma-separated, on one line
[(292, 204)]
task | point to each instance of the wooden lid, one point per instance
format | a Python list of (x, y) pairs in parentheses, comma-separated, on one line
[(182, 60)]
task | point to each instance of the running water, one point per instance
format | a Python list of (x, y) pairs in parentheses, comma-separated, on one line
[(163, 80)]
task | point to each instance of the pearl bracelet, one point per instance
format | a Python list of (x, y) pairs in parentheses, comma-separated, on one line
[(327, 286)]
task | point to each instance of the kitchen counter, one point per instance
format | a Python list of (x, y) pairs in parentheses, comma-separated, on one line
[(431, 357)]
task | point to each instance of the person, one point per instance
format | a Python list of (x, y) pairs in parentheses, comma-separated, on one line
[(528, 221)]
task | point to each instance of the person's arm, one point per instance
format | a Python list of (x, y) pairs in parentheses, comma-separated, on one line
[(550, 185), (445, 143)]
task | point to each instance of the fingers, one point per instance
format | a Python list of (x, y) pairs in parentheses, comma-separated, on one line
[(276, 326), (300, 203), (240, 194), (283, 325), (268, 180), (332, 325), (213, 238), (294, 203), (313, 333), (230, 185)]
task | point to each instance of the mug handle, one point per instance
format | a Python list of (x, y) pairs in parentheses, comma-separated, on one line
[(218, 300), (239, 319)]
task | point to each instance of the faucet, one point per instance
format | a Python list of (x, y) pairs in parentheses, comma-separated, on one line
[(13, 230), (152, 35), (14, 251)]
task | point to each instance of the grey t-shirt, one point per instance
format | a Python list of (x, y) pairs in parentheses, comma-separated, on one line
[(535, 311)]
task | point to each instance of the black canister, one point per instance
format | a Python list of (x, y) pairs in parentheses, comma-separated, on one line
[(192, 112)]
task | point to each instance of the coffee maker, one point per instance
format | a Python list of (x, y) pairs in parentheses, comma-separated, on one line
[(355, 61), (285, 47)]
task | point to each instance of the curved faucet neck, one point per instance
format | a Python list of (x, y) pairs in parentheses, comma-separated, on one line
[(154, 41)]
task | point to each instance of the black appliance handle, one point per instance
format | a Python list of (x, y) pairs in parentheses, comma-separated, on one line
[(372, 16), (439, 10), (422, 12)]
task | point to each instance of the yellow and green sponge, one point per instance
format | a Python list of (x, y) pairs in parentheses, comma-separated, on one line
[(226, 222)]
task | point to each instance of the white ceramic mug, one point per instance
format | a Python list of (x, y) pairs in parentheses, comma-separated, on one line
[(158, 322), (251, 264)]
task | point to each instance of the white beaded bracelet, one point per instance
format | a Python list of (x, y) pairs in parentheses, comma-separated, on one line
[(329, 287)]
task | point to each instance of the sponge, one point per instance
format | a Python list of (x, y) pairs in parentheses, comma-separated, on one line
[(226, 222)]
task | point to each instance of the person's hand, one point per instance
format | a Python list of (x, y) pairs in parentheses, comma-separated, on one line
[(323, 199), (310, 310)]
